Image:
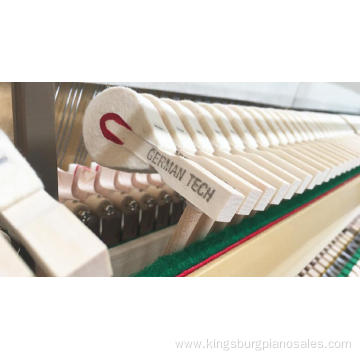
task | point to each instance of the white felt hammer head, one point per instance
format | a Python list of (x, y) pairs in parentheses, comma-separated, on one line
[(174, 125), (106, 120)]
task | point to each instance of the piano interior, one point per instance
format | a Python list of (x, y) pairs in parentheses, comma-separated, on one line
[(115, 180)]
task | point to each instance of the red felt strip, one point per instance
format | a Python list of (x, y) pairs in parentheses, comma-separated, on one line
[(106, 132), (257, 232)]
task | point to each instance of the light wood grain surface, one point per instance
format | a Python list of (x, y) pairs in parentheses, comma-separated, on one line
[(6, 123)]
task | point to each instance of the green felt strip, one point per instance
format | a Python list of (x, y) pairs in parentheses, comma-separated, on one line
[(350, 264), (174, 264)]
